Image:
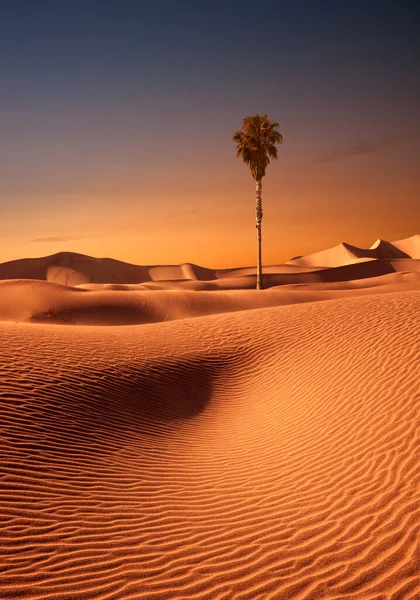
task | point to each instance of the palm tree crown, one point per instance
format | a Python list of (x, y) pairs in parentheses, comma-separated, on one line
[(256, 143)]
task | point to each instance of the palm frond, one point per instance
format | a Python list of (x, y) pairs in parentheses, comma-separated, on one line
[(256, 143)]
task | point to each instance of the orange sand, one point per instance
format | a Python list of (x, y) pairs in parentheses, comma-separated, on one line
[(261, 445)]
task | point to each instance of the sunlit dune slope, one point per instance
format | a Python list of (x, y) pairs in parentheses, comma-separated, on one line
[(410, 246), (34, 301), (265, 454)]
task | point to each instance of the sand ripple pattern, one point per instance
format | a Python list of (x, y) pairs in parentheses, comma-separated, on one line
[(268, 454)]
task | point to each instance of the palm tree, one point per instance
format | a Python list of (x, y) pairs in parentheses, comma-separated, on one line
[(256, 144)]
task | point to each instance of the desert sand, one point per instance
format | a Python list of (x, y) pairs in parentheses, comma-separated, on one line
[(167, 432)]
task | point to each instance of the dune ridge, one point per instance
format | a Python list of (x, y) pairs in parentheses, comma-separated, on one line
[(264, 454), (70, 268)]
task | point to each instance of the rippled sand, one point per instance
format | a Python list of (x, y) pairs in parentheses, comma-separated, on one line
[(265, 452)]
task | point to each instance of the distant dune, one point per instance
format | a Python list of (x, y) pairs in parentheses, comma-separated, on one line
[(345, 254), (72, 269), (221, 443)]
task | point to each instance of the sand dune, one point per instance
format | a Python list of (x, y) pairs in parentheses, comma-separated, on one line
[(342, 254), (410, 246), (264, 454), (52, 303), (221, 443), (345, 254), (245, 279), (384, 249), (72, 269)]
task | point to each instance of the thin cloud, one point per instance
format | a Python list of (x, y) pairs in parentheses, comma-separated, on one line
[(56, 239), (63, 239), (59, 239), (366, 148)]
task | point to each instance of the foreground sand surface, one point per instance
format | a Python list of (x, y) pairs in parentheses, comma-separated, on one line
[(254, 449)]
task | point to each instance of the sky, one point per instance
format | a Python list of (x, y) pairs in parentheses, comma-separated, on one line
[(117, 117)]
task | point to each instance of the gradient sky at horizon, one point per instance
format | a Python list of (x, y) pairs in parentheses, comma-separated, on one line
[(117, 117)]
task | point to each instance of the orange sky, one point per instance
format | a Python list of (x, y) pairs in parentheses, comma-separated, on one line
[(208, 218), (120, 145)]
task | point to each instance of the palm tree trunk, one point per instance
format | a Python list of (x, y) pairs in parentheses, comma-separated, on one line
[(258, 215)]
